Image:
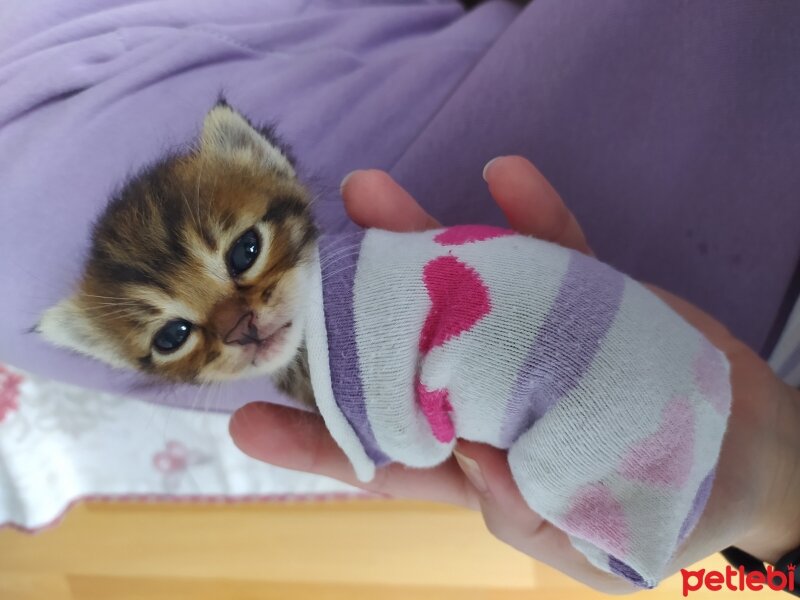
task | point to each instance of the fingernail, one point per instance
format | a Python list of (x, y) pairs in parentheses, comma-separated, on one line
[(346, 177), (472, 471), (486, 167)]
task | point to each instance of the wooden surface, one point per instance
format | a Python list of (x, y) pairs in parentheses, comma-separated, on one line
[(354, 550)]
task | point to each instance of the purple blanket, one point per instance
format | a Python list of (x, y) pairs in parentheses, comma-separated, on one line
[(670, 128)]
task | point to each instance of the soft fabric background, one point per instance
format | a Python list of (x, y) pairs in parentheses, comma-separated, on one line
[(60, 443), (670, 127)]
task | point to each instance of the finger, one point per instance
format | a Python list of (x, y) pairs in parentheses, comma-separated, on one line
[(509, 518), (505, 510), (530, 203), (297, 440), (373, 199)]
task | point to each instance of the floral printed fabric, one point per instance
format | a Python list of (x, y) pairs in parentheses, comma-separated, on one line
[(59, 444)]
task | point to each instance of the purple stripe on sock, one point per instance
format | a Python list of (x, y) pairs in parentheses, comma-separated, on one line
[(338, 259), (582, 312), (620, 568), (698, 504)]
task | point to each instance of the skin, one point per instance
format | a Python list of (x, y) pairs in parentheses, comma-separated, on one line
[(754, 504)]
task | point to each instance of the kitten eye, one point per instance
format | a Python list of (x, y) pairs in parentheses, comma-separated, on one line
[(172, 336), (244, 252)]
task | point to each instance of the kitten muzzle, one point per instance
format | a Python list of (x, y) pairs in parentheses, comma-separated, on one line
[(244, 332)]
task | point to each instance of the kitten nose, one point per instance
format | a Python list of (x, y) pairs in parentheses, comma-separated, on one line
[(244, 332)]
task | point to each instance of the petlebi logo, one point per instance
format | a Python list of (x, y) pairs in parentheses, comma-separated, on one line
[(736, 580)]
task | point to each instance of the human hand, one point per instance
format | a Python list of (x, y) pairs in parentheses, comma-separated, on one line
[(751, 503)]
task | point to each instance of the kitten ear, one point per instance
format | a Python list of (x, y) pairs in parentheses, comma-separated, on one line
[(67, 325), (226, 133)]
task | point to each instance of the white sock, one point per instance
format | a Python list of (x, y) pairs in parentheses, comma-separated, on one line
[(611, 406)]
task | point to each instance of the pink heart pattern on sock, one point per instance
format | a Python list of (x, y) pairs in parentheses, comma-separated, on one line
[(466, 234), (436, 407), (665, 457), (595, 515), (711, 377), (459, 299)]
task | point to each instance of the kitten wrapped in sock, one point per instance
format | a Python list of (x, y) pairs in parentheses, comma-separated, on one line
[(207, 267)]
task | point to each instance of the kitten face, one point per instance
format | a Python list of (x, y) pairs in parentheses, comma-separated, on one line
[(198, 268)]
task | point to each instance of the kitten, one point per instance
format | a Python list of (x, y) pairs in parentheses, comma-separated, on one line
[(198, 267)]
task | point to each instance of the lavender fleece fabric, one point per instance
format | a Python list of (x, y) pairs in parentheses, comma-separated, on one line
[(670, 128)]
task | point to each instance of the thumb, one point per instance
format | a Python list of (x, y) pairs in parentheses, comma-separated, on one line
[(509, 518)]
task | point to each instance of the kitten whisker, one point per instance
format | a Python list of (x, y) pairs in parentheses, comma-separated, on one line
[(340, 253), (335, 268), (117, 314), (135, 306), (193, 403), (200, 397), (201, 165), (330, 276), (213, 190), (195, 219), (132, 304), (102, 310), (215, 389), (351, 235), (105, 297), (338, 260), (348, 237)]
